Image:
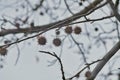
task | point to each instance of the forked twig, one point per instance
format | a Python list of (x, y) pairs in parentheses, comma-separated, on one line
[(59, 60)]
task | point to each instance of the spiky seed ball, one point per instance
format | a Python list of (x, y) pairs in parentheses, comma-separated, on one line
[(80, 3), (68, 30), (3, 51), (7, 41), (57, 32), (57, 42), (5, 20), (77, 30), (42, 40), (32, 24), (41, 13), (87, 74), (17, 25), (1, 66), (96, 29)]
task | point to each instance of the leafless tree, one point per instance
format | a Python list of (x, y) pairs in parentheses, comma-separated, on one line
[(82, 24)]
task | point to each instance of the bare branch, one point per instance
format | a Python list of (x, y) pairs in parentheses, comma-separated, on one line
[(68, 8), (87, 65), (59, 60), (114, 10), (89, 9), (93, 20), (18, 54), (106, 58), (83, 54)]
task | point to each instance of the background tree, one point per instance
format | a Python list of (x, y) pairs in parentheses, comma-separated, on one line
[(62, 28)]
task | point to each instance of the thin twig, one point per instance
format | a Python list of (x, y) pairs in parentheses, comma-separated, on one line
[(106, 58), (68, 8), (87, 65), (114, 10), (59, 60), (83, 54), (89, 9), (18, 56)]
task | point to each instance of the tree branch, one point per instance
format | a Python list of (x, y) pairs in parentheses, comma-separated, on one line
[(87, 65), (106, 58), (89, 9), (59, 60), (114, 10)]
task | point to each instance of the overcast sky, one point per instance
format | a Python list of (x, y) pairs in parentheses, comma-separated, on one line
[(28, 68)]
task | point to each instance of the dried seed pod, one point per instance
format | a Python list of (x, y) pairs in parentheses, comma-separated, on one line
[(80, 3), (5, 20), (42, 40), (57, 32), (7, 41), (3, 51), (41, 13), (57, 42), (87, 74), (1, 66), (77, 30), (32, 24), (68, 30), (96, 29), (17, 25)]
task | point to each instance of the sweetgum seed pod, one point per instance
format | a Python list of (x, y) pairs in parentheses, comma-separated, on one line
[(42, 40), (3, 51), (87, 74), (57, 42), (77, 30), (68, 30), (57, 32)]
